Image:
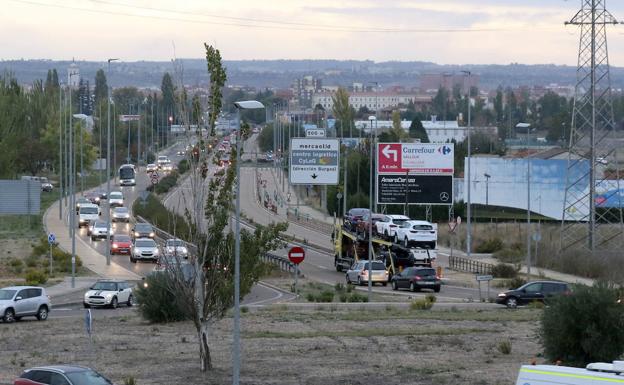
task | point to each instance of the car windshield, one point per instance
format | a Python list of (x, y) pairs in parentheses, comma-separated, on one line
[(7, 294), (143, 227), (116, 195), (422, 227), (359, 212), (88, 377), (83, 200), (376, 266), (424, 272), (121, 238), (100, 225), (175, 242), (145, 243), (107, 286), (89, 210), (121, 210), (398, 221)]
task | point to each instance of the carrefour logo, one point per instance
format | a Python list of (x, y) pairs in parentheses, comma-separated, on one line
[(444, 150)]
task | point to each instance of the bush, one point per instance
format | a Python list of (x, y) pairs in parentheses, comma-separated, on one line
[(503, 270), (36, 277), (515, 283), (157, 303), (489, 246), (325, 296), (504, 346), (183, 166), (357, 297), (510, 255), (166, 183), (310, 297), (431, 298), (62, 261), (584, 327), (421, 304)]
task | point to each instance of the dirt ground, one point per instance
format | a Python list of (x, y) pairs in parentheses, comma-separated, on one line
[(326, 345)]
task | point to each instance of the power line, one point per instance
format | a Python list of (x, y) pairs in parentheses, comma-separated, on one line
[(284, 26)]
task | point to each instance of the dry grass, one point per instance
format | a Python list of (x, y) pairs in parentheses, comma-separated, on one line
[(288, 347)]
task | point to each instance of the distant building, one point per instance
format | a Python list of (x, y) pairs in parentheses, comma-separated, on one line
[(304, 88), (374, 100), (73, 75), (448, 81)]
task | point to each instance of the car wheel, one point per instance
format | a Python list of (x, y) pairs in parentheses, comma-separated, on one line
[(512, 302), (347, 278), (395, 286), (42, 313), (405, 242), (360, 282), (432, 245), (386, 234), (9, 316), (384, 283), (396, 239), (86, 306), (413, 287), (130, 302), (436, 289), (132, 259), (113, 303), (93, 238)]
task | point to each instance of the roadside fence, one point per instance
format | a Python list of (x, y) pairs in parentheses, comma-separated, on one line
[(470, 265)]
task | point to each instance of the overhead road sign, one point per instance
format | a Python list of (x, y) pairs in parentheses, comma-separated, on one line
[(314, 161), (421, 189), (417, 158)]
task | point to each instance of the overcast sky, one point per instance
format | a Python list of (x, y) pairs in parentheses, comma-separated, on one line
[(441, 31)]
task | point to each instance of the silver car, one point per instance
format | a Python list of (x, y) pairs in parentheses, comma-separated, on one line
[(120, 214), (176, 247), (144, 248), (22, 301), (99, 230), (358, 273)]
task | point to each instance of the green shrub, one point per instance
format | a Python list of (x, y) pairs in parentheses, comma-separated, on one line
[(504, 346), (510, 255), (32, 261), (325, 296), (16, 265), (490, 245), (166, 183), (421, 304), (431, 298), (183, 166), (343, 297), (503, 270), (130, 381), (310, 297), (516, 282), (157, 303), (357, 297), (36, 277), (339, 287), (62, 261), (584, 327)]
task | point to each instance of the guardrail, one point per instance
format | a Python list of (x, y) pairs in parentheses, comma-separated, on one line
[(307, 221), (470, 265)]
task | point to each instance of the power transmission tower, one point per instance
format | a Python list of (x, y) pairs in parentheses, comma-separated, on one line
[(592, 214)]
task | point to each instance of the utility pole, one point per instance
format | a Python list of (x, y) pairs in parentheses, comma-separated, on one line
[(108, 161), (467, 178), (72, 192), (60, 153), (370, 214)]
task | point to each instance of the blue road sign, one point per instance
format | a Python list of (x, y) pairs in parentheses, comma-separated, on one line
[(51, 238)]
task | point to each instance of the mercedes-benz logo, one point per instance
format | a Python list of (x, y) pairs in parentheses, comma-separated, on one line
[(444, 196)]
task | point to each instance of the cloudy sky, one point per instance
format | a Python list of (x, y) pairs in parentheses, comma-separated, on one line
[(442, 31)]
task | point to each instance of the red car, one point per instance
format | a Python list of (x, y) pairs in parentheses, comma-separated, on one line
[(121, 244), (362, 224)]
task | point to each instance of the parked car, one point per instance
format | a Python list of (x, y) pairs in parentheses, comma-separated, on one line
[(352, 217), (93, 197), (121, 244), (109, 293), (81, 201), (532, 291), (419, 233), (87, 214), (416, 278), (23, 301), (61, 375), (115, 199), (99, 229), (387, 225), (151, 168), (144, 248), (46, 186), (362, 224), (176, 247), (143, 230), (120, 214), (358, 273)]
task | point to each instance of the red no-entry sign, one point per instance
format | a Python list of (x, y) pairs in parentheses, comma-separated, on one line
[(296, 255)]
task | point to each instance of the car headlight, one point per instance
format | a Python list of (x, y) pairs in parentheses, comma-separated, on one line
[(502, 295), (136, 233), (183, 250), (115, 245), (156, 252), (108, 296), (151, 234)]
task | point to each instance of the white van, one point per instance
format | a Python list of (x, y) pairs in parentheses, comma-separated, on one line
[(593, 374), (88, 213)]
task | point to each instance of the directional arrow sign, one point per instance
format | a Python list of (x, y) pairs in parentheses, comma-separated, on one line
[(314, 161), (387, 152)]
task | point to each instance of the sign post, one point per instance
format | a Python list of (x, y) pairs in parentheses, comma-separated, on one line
[(296, 255), (314, 161), (51, 241), (484, 278)]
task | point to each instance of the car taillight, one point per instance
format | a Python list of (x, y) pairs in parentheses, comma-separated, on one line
[(417, 278), (437, 277)]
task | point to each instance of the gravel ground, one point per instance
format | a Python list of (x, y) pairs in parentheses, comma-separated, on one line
[(280, 346)]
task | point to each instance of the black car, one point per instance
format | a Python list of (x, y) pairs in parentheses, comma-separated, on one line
[(532, 291), (143, 230), (353, 216), (416, 278)]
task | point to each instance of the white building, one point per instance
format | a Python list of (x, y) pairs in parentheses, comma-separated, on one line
[(73, 75), (438, 131), (371, 100)]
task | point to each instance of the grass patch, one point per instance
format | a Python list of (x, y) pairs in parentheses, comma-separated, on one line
[(367, 333)]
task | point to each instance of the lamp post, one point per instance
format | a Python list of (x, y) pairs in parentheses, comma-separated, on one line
[(240, 105), (487, 186), (527, 126), (371, 119), (467, 177), (108, 159), (72, 188), (60, 153)]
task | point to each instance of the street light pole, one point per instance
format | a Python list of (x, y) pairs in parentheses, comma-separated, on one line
[(467, 177), (370, 214), (241, 105), (72, 192), (528, 206), (487, 189), (60, 153), (108, 160)]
